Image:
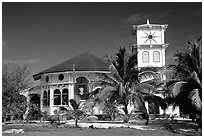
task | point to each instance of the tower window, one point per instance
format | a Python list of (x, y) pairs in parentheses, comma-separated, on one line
[(145, 57), (156, 56)]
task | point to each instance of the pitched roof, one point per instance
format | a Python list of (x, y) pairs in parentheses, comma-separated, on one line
[(83, 62)]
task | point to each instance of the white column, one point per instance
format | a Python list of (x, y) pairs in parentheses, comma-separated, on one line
[(163, 55), (41, 99), (162, 36), (51, 100)]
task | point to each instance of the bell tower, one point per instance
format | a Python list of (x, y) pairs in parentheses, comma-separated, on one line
[(150, 44)]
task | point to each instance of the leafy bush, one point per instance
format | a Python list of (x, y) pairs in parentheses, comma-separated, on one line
[(13, 111), (34, 112)]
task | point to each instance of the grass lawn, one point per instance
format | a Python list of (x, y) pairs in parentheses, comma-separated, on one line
[(156, 129)]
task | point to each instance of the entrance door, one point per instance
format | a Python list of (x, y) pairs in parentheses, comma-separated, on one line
[(35, 99)]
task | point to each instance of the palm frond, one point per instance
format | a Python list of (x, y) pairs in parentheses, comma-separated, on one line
[(120, 60), (106, 77), (77, 113), (148, 75), (105, 93), (149, 68), (74, 104), (115, 73), (178, 87), (130, 71), (101, 83), (179, 71), (132, 76), (195, 99), (195, 77), (96, 91), (158, 101), (184, 102), (141, 87), (138, 101)]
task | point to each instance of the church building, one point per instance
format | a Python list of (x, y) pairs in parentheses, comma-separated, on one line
[(68, 80), (72, 78)]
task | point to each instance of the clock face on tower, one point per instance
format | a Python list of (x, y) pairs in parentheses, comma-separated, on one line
[(149, 37)]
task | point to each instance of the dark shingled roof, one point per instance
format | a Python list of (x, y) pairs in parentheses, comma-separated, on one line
[(82, 62)]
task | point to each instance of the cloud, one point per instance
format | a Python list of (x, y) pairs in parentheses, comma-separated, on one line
[(29, 61), (136, 18), (139, 18)]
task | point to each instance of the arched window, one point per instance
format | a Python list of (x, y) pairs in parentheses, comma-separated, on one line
[(145, 56), (46, 98), (65, 97), (57, 97), (156, 56), (81, 87)]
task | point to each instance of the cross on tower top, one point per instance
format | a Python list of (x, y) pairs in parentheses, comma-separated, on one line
[(148, 21)]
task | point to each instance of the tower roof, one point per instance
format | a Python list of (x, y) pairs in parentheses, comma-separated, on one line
[(149, 25), (83, 62)]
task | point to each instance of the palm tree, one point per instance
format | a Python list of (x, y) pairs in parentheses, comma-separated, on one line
[(77, 113), (185, 89), (123, 84)]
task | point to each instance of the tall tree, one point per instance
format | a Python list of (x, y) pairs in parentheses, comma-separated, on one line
[(14, 79), (124, 85), (186, 88)]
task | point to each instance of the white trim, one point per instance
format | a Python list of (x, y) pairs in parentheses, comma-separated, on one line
[(77, 72), (60, 83)]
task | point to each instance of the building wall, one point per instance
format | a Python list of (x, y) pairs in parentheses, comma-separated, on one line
[(52, 82), (151, 62)]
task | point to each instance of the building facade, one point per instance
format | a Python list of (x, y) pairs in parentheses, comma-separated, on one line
[(71, 79)]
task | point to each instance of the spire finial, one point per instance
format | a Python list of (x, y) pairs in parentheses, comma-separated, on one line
[(148, 21)]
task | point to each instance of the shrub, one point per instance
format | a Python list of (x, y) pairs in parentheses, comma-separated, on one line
[(34, 112)]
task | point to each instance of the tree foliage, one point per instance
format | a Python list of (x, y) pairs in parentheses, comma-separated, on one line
[(124, 84), (77, 112), (185, 89), (14, 79)]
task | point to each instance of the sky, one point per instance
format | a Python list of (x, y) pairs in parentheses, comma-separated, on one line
[(45, 34)]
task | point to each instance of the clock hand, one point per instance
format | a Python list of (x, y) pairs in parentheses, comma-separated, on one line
[(146, 41), (154, 32), (145, 32), (154, 40)]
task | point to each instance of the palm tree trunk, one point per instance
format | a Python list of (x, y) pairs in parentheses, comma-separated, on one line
[(147, 112), (199, 120), (76, 122), (125, 109), (126, 116), (147, 116)]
